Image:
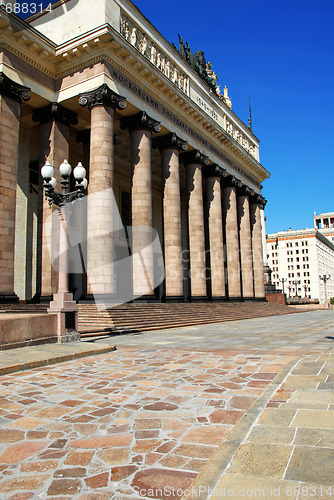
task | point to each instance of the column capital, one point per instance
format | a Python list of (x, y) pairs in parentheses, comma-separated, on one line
[(215, 170), (170, 141), (102, 96), (232, 181), (13, 90), (140, 121), (257, 199), (195, 157), (55, 112)]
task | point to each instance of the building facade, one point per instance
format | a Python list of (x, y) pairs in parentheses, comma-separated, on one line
[(324, 223), (103, 87), (299, 258)]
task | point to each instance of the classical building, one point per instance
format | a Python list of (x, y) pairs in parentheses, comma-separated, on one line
[(324, 223), (97, 83), (304, 259)]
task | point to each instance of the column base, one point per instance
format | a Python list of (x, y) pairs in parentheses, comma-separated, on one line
[(199, 298), (104, 298), (43, 298), (175, 298), (8, 298), (145, 299)]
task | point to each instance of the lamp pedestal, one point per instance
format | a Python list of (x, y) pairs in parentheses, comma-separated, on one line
[(67, 316), (63, 304)]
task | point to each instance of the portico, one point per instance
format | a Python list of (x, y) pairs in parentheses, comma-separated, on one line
[(159, 147)]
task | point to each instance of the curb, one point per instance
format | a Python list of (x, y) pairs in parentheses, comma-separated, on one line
[(13, 367)]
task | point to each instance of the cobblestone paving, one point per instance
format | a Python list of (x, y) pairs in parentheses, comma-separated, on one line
[(125, 423)]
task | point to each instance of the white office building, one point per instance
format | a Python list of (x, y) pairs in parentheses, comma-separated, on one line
[(304, 259)]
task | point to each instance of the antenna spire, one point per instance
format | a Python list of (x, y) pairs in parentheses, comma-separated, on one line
[(250, 114)]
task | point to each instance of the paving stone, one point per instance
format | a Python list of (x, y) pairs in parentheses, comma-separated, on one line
[(160, 483), (23, 483), (98, 481), (20, 451), (277, 417), (225, 416), (101, 442), (314, 437), (313, 465), (195, 451), (261, 460), (43, 466), (211, 434), (313, 418), (119, 473), (64, 487), (70, 472), (10, 436), (272, 435), (119, 456), (81, 458)]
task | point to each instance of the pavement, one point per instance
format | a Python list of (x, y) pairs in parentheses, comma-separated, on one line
[(229, 410)]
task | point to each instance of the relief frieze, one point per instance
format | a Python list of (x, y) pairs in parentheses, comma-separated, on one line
[(150, 50), (142, 42)]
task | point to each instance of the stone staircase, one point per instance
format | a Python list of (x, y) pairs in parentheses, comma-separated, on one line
[(139, 317), (130, 318)]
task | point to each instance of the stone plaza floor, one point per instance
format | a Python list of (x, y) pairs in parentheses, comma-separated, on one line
[(231, 410)]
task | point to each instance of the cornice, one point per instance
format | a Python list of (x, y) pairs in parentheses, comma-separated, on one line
[(106, 44), (24, 41)]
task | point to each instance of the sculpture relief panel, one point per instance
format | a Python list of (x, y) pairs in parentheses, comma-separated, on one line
[(154, 54)]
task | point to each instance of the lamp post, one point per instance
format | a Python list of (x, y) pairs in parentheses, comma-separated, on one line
[(296, 286), (305, 288), (325, 278), (282, 280), (63, 304)]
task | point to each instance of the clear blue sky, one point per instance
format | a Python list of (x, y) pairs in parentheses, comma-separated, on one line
[(282, 53)]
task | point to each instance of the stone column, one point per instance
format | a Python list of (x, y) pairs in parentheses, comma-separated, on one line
[(258, 270), (246, 260), (83, 137), (141, 126), (215, 225), (170, 147), (54, 121), (194, 161), (102, 103), (11, 96), (232, 237)]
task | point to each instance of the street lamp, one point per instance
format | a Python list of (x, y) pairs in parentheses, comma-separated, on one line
[(63, 304), (283, 280), (296, 286), (325, 278)]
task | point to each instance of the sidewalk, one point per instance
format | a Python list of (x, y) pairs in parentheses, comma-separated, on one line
[(226, 410)]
